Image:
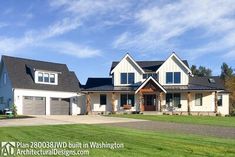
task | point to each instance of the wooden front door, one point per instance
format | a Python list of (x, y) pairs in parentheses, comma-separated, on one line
[(149, 102)]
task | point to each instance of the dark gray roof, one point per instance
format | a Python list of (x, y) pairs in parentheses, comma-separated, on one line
[(147, 66), (204, 82), (195, 83), (104, 84), (21, 70)]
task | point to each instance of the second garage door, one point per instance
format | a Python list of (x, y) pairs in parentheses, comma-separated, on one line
[(34, 105), (60, 106)]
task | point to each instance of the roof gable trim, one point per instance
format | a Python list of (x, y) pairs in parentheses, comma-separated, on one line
[(125, 57), (181, 62), (146, 81)]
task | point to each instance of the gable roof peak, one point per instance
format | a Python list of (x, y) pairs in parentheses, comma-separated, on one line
[(132, 59)]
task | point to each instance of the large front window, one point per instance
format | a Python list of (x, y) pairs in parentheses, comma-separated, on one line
[(173, 77), (127, 99), (173, 99), (127, 78)]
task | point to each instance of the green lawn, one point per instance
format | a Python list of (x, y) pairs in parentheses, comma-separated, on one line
[(209, 120), (136, 142)]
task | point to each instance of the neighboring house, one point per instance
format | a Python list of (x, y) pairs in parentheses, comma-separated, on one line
[(39, 88), (162, 86)]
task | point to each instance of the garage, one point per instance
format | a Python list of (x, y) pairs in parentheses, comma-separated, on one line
[(60, 106), (34, 105)]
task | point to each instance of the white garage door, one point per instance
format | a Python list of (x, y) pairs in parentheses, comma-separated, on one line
[(34, 105)]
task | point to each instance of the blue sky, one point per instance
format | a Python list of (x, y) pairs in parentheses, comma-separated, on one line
[(89, 35)]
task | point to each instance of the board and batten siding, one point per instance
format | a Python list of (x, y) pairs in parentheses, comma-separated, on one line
[(173, 65), (126, 66)]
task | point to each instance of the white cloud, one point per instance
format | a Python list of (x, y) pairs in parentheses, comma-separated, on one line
[(75, 13), (30, 38), (73, 49), (161, 24)]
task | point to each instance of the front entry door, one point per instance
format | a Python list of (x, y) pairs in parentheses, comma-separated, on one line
[(149, 102)]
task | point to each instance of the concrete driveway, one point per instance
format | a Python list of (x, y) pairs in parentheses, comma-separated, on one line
[(63, 119)]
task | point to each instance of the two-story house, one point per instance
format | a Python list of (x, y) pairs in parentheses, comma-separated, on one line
[(38, 87), (162, 86)]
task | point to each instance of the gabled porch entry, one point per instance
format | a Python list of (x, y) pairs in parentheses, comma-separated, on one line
[(150, 95)]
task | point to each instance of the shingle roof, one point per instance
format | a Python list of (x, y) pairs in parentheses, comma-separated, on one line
[(104, 84), (21, 70), (147, 66), (195, 83)]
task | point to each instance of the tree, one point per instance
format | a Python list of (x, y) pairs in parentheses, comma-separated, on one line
[(226, 71), (230, 86), (201, 71)]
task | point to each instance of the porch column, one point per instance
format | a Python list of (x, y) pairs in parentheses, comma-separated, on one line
[(88, 103), (140, 101), (189, 100), (216, 100), (160, 101), (113, 102)]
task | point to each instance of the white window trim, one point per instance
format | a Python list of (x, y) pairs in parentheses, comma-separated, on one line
[(127, 78), (201, 100), (49, 73), (173, 78)]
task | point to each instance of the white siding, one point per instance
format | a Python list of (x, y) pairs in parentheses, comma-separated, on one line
[(5, 89), (173, 65), (126, 66), (208, 104), (20, 93), (224, 109), (96, 107)]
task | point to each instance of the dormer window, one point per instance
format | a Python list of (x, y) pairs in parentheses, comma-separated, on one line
[(52, 78), (40, 77), (46, 77)]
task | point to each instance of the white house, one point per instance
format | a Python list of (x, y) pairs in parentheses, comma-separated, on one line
[(39, 88), (161, 86)]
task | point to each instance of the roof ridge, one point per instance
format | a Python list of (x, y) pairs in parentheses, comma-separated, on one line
[(4, 56)]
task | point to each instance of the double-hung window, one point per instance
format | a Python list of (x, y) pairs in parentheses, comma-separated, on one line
[(220, 100), (127, 78), (127, 99), (198, 99), (173, 99), (52, 78), (46, 77), (40, 77), (103, 99), (173, 77)]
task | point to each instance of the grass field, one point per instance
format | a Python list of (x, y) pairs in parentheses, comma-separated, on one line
[(208, 120), (136, 142)]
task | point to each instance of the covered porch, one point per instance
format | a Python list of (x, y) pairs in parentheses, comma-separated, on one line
[(150, 95)]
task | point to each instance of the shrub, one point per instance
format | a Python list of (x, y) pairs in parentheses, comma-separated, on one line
[(14, 110)]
